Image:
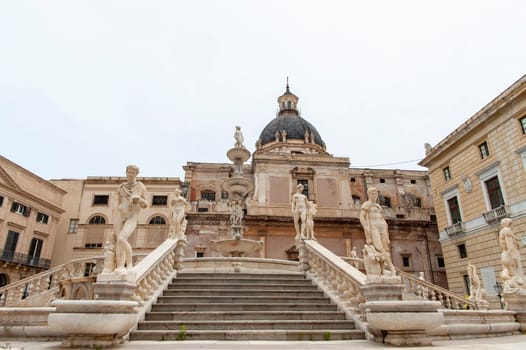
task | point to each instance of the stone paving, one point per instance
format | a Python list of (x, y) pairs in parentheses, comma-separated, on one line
[(515, 342)]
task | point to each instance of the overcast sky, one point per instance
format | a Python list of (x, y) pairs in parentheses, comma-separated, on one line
[(87, 87)]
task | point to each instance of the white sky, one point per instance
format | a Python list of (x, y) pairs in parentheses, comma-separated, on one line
[(87, 87)]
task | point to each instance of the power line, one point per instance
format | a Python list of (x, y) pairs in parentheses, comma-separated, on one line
[(387, 164)]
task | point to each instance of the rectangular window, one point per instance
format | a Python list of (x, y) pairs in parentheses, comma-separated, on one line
[(43, 218), (89, 268), (353, 179), (305, 184), (1, 200), (10, 245), (447, 173), (73, 225), (382, 181), (467, 284), (406, 260), (413, 182), (20, 209), (494, 192), (484, 150), (454, 210), (462, 252), (208, 196), (33, 256), (523, 124), (159, 200), (101, 199), (93, 245), (440, 261), (199, 254)]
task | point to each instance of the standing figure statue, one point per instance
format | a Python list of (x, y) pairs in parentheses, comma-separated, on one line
[(131, 197), (376, 233), (512, 273), (299, 211), (355, 258), (312, 210), (475, 289), (181, 206), (238, 136)]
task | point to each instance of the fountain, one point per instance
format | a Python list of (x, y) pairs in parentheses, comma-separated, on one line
[(237, 187)]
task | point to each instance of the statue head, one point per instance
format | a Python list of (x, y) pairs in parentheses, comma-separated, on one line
[(299, 188), (238, 127), (131, 172), (506, 222), (372, 194)]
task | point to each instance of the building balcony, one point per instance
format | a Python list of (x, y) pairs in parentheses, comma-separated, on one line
[(24, 259), (455, 229), (497, 213)]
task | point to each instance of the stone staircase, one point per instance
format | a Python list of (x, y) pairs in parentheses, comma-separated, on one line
[(244, 306)]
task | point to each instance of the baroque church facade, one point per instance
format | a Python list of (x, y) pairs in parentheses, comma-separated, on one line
[(289, 151)]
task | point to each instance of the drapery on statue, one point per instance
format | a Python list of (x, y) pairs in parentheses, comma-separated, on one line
[(312, 210), (476, 292), (377, 248), (238, 136), (131, 197), (299, 211), (512, 273), (179, 222)]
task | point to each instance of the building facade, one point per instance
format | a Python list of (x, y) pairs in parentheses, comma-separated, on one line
[(289, 151), (477, 178), (30, 209)]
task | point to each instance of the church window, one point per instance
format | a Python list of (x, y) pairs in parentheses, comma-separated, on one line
[(97, 220), (157, 220), (208, 196), (101, 199), (305, 184), (159, 200)]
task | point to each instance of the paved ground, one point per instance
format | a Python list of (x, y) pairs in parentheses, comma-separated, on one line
[(499, 343)]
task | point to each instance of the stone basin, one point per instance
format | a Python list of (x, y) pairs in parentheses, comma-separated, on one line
[(236, 247), (238, 154), (238, 185)]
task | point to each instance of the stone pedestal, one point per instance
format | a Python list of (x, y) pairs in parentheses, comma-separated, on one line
[(516, 301), (383, 291), (93, 323), (114, 286), (404, 323)]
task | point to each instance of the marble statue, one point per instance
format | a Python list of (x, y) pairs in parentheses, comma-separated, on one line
[(421, 290), (179, 222), (312, 210), (258, 144), (277, 136), (376, 233), (299, 211), (311, 137), (109, 256), (475, 289), (131, 198), (238, 136), (512, 273), (284, 135), (428, 147), (306, 136), (356, 260), (236, 213)]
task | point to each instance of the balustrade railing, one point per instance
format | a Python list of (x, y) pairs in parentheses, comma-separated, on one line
[(496, 213), (24, 259)]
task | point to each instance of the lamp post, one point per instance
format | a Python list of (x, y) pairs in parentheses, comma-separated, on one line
[(498, 289)]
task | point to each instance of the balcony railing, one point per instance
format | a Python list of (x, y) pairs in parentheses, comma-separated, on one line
[(455, 229), (24, 259), (496, 213)]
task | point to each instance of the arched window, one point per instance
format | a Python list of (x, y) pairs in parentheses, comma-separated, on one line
[(97, 220), (157, 220)]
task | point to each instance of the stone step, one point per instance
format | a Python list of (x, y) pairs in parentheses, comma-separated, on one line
[(243, 325), (242, 300), (241, 292), (239, 280), (274, 334), (244, 315), (211, 276), (192, 306), (256, 287)]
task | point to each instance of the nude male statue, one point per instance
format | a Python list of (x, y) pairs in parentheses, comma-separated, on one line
[(131, 197), (512, 272), (299, 211), (181, 206)]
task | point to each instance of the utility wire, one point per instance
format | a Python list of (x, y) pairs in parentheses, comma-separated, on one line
[(386, 164)]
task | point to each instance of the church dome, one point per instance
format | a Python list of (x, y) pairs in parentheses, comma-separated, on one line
[(288, 119)]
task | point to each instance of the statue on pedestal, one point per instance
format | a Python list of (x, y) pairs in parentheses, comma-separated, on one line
[(299, 211), (512, 273), (476, 292), (131, 198), (238, 136), (377, 255), (312, 210), (181, 206)]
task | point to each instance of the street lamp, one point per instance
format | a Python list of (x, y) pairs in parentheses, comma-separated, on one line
[(498, 289)]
